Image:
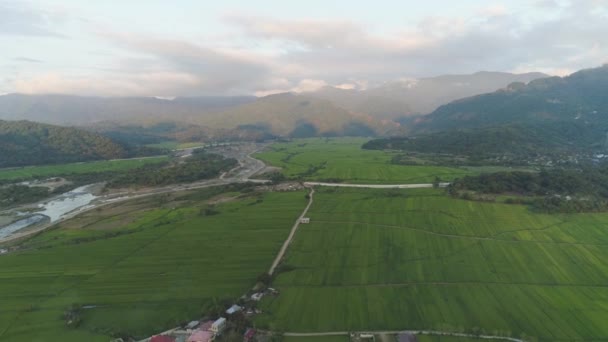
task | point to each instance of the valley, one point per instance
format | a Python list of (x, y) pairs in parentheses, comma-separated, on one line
[(370, 260), (303, 171)]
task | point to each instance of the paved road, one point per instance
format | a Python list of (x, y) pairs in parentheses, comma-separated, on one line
[(248, 166), (415, 332), (287, 242), (376, 186)]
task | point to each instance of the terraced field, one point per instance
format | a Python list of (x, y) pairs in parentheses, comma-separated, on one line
[(343, 159), (143, 266), (415, 259), (76, 168)]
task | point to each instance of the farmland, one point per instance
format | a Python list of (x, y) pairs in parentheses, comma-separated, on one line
[(416, 259), (29, 172), (142, 266), (342, 159)]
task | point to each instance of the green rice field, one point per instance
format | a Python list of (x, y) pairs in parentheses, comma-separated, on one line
[(142, 266), (342, 159), (416, 259), (29, 172)]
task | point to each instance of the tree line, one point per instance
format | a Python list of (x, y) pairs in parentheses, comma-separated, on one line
[(556, 190)]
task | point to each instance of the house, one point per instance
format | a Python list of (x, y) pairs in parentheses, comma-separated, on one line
[(192, 325), (233, 309), (406, 337), (257, 296), (249, 334), (206, 326), (305, 220), (218, 326), (162, 338), (201, 336), (367, 337)]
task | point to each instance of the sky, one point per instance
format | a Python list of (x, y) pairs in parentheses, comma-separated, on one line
[(259, 47)]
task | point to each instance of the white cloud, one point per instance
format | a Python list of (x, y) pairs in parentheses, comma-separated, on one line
[(300, 55), (161, 83), (18, 18)]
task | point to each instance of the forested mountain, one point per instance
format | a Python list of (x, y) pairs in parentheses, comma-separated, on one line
[(297, 115), (419, 96), (378, 106), (30, 143), (79, 110), (578, 98), (329, 111), (199, 118)]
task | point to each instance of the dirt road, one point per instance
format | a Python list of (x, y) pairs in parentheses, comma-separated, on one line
[(414, 332), (279, 257)]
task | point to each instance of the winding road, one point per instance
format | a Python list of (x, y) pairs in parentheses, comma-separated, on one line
[(248, 166)]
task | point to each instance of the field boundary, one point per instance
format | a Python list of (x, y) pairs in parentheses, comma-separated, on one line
[(415, 332), (376, 186)]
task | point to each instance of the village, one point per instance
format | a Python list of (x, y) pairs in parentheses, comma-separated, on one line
[(233, 325)]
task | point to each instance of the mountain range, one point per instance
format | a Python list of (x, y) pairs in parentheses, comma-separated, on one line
[(547, 115), (329, 111), (420, 96), (578, 98), (544, 117)]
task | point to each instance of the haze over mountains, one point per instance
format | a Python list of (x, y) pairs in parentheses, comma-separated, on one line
[(546, 116), (420, 96), (327, 111), (578, 98)]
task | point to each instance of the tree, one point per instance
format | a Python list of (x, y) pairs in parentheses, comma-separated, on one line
[(436, 182)]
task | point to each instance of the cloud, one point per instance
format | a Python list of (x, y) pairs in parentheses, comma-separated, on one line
[(218, 71), (494, 39), (145, 84), (264, 55), (21, 19), (27, 60)]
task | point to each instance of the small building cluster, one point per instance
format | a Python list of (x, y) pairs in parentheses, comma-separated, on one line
[(257, 296), (194, 331), (209, 330)]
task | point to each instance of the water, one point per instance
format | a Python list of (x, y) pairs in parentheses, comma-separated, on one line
[(55, 209), (68, 202), (18, 225)]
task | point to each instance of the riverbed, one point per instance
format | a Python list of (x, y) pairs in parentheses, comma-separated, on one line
[(53, 209)]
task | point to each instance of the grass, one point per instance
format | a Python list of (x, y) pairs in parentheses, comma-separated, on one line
[(29, 172), (343, 159), (391, 260), (146, 265)]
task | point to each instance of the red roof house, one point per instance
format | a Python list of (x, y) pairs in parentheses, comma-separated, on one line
[(162, 338), (201, 336)]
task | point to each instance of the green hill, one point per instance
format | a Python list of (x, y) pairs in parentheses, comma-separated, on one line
[(579, 98), (29, 143)]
